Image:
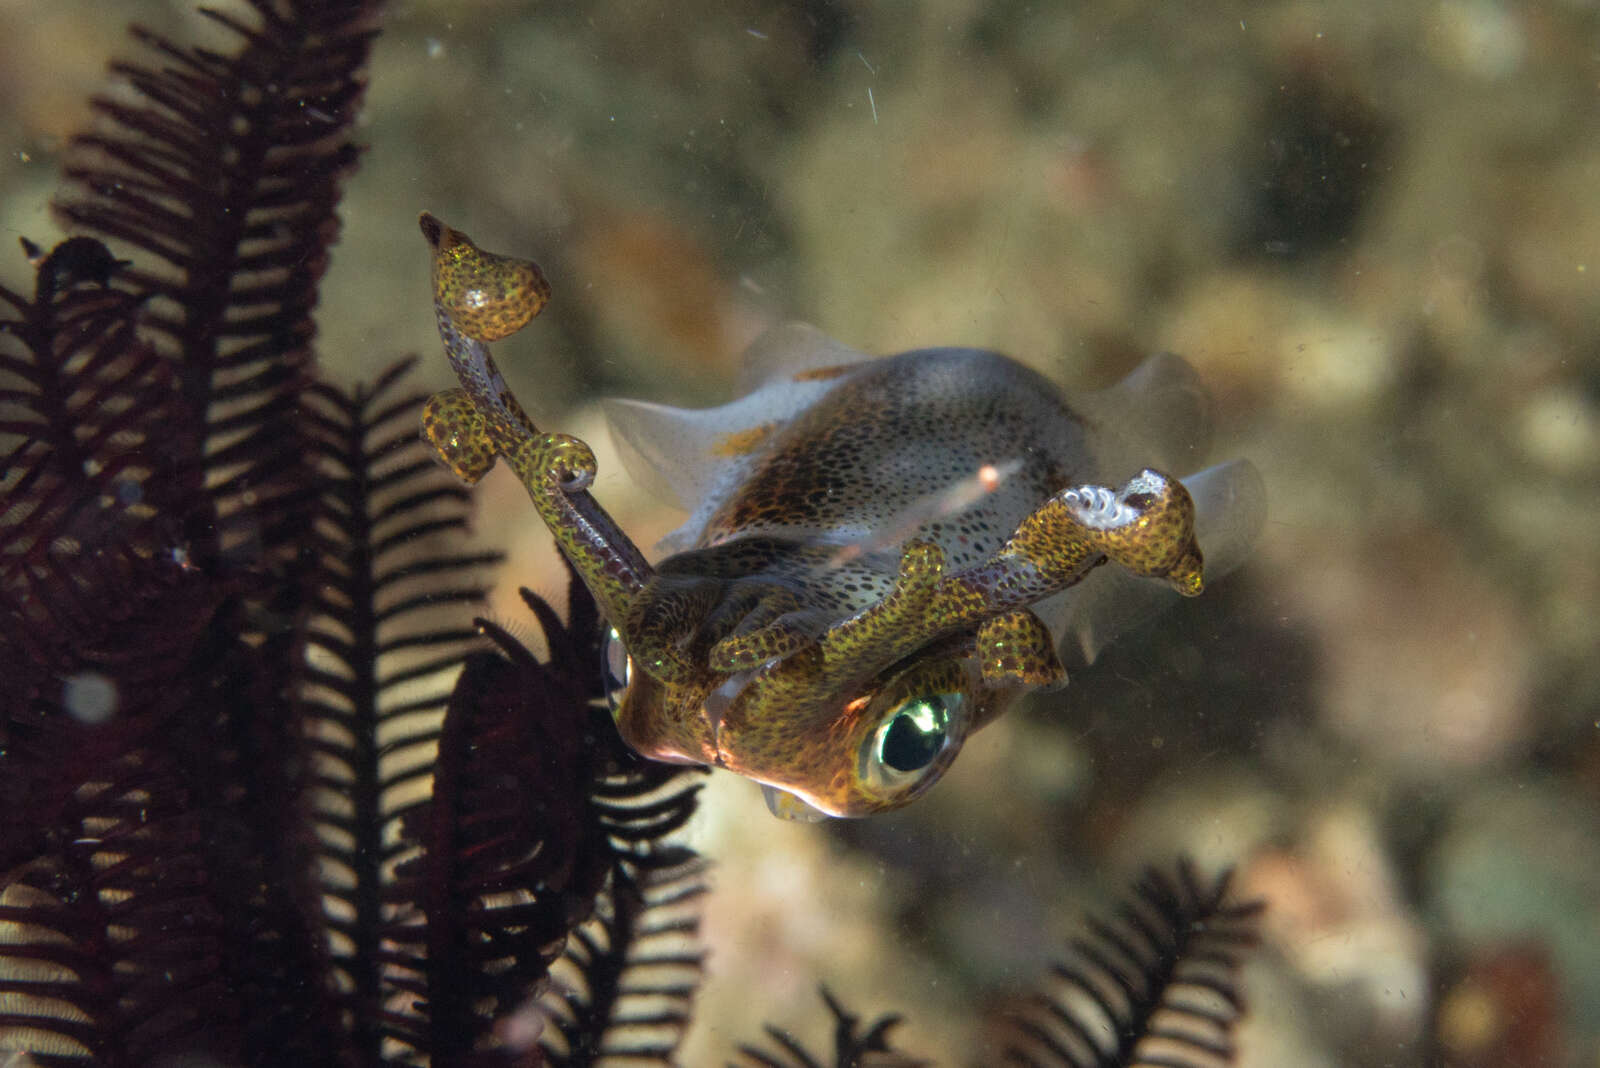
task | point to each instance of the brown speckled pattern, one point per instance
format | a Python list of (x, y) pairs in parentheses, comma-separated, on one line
[(892, 437), (452, 425), (1017, 646), (488, 297), (826, 755), (478, 297), (882, 548), (1158, 543), (902, 429), (767, 629)]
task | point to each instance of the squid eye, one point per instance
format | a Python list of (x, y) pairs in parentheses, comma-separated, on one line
[(616, 668), (915, 732)]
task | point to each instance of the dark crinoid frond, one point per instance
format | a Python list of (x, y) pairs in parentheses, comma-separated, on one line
[(153, 894), (218, 174), (541, 824), (122, 664), (1158, 986), (852, 1046), (387, 637), (625, 976), (98, 471), (223, 694), (623, 987)]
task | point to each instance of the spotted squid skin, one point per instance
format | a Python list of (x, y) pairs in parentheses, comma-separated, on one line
[(478, 297), (483, 295), (861, 583)]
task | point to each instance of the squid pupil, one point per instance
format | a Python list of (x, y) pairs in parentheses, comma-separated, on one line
[(916, 734)]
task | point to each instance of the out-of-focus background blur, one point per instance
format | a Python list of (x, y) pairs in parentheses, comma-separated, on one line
[(1375, 230)]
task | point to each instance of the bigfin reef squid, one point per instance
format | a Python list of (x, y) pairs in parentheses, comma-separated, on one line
[(882, 554)]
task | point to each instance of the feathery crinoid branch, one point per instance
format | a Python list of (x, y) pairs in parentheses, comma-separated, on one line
[(97, 846), (99, 475), (622, 990), (852, 1047), (383, 650), (625, 980), (153, 891), (120, 662), (539, 818), (221, 173), (1157, 987)]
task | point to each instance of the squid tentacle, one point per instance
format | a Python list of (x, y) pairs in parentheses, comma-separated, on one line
[(481, 297)]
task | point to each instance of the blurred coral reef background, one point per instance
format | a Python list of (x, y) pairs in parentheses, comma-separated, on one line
[(1375, 230)]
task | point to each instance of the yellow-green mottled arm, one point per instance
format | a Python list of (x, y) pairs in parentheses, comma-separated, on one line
[(480, 297), (1146, 527)]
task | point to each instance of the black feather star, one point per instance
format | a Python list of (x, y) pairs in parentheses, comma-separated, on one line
[(242, 814), (852, 1047), (1157, 986), (430, 849)]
